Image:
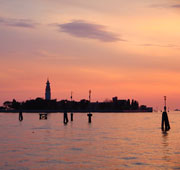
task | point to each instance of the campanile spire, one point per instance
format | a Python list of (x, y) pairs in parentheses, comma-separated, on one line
[(48, 91)]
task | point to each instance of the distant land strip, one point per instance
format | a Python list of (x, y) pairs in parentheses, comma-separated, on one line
[(44, 105)]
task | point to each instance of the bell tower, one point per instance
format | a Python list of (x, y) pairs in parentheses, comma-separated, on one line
[(48, 91)]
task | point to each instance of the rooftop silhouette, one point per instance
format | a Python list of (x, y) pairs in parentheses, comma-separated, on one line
[(47, 104), (115, 105)]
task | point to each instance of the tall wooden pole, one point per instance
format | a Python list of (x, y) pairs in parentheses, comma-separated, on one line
[(71, 106), (89, 114), (165, 126)]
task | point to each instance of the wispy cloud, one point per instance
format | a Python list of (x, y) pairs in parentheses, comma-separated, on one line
[(159, 45), (176, 5), (84, 29), (52, 56), (12, 22)]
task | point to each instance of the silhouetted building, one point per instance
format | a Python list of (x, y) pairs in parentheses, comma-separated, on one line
[(115, 99), (48, 91)]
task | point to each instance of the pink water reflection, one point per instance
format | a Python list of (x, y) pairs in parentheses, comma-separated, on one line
[(111, 141)]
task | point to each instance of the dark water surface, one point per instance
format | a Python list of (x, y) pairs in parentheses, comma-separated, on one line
[(111, 141)]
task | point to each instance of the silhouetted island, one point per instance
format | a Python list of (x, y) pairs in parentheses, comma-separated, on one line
[(49, 105), (40, 104)]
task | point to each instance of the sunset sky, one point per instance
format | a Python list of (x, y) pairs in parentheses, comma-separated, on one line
[(124, 48)]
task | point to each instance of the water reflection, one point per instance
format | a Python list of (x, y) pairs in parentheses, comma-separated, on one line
[(165, 144), (112, 141)]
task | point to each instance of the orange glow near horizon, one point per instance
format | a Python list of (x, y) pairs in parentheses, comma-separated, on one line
[(130, 53)]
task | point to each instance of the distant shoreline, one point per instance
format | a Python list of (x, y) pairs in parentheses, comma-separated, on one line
[(77, 111)]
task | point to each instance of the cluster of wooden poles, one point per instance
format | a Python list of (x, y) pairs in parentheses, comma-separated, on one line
[(65, 117), (66, 120)]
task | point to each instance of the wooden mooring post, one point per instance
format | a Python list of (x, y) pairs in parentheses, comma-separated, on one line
[(89, 117), (20, 116), (66, 118), (43, 116), (165, 126), (71, 116), (89, 114)]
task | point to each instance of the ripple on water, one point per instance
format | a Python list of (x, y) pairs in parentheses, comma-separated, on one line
[(140, 163), (133, 142), (77, 139), (53, 161), (129, 158), (110, 138), (40, 128), (24, 160), (126, 139), (76, 149), (177, 153)]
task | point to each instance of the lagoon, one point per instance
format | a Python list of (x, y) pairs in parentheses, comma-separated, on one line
[(112, 141)]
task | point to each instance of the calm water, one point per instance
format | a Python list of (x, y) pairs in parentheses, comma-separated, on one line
[(111, 141)]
